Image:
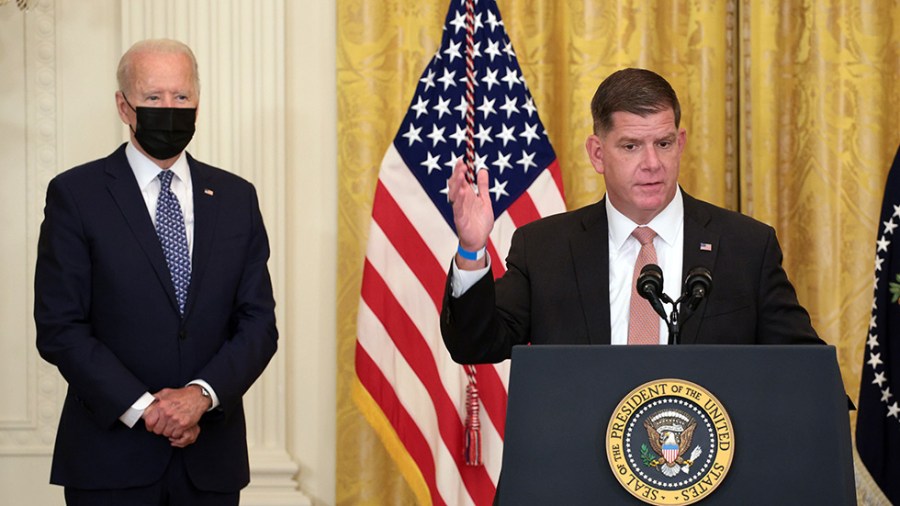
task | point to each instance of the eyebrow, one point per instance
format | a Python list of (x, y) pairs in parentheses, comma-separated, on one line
[(634, 140), (157, 90)]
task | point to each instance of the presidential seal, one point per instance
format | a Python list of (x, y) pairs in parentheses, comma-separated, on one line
[(670, 441)]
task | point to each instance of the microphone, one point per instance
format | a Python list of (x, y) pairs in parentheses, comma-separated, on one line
[(697, 285), (650, 287)]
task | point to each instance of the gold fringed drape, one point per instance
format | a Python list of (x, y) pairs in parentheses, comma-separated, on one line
[(820, 104), (791, 109)]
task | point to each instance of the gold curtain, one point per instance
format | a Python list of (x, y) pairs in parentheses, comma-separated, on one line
[(791, 108)]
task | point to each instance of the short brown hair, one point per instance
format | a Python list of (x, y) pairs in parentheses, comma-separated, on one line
[(637, 91)]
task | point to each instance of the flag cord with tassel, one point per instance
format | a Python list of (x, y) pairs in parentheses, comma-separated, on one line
[(470, 89), (472, 451), (473, 425)]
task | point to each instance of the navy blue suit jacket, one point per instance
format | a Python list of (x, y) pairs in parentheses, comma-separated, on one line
[(556, 287), (107, 317)]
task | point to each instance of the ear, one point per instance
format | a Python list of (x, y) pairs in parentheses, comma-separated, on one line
[(682, 140), (125, 112), (594, 147)]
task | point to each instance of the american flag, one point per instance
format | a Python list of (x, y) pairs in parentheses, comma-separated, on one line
[(878, 417), (414, 394)]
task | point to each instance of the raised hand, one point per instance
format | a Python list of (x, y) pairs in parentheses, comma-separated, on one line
[(472, 213)]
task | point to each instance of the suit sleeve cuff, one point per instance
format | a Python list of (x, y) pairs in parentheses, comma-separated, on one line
[(136, 410), (212, 393), (461, 281)]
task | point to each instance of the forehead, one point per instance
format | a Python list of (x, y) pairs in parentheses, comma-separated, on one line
[(630, 125), (155, 71)]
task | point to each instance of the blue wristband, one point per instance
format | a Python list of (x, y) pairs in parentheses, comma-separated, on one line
[(471, 255)]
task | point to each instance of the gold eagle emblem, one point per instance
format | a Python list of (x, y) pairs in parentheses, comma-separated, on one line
[(666, 431)]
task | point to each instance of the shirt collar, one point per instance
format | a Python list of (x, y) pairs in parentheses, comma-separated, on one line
[(667, 224), (145, 170)]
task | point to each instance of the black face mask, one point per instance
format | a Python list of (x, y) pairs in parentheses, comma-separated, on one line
[(164, 132)]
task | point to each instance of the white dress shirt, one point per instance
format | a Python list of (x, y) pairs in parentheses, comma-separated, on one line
[(147, 174), (623, 252)]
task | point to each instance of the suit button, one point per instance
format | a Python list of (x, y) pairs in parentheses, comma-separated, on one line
[(182, 334)]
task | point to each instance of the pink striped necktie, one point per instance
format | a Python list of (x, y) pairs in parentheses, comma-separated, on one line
[(643, 324)]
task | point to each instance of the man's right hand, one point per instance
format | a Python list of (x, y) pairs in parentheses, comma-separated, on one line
[(188, 437), (175, 411), (473, 213), (179, 438)]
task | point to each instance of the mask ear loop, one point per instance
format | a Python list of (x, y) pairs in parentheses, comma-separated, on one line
[(127, 102), (133, 109)]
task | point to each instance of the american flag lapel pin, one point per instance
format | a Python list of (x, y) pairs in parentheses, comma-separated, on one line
[(209, 192), (705, 246)]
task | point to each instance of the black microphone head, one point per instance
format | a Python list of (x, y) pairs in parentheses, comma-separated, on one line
[(650, 282), (697, 285), (698, 278)]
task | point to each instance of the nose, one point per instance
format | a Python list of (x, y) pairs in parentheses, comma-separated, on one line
[(651, 159)]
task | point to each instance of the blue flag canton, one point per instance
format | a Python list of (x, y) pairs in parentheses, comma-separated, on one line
[(878, 418), (510, 140)]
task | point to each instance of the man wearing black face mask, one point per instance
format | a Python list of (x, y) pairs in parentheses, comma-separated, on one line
[(153, 299), (163, 132)]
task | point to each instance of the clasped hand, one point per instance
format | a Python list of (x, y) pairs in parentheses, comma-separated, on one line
[(175, 414)]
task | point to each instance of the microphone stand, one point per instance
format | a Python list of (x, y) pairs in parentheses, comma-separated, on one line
[(680, 313), (650, 283), (674, 324), (672, 320)]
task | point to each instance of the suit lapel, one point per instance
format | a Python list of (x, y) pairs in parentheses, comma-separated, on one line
[(701, 246), (205, 213), (125, 192), (590, 257)]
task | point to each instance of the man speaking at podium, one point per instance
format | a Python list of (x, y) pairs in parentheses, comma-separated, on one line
[(570, 277)]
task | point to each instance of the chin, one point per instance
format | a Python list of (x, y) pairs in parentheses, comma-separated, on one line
[(656, 198), (654, 203)]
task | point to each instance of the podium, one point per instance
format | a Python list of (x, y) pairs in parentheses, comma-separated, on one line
[(789, 433)]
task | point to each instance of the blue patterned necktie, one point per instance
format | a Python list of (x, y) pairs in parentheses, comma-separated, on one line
[(171, 232)]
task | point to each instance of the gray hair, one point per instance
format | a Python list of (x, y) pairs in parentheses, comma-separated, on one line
[(123, 73)]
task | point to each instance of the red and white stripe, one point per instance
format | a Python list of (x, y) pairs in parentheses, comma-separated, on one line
[(401, 360)]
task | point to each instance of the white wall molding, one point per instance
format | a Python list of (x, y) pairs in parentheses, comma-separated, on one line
[(268, 113), (28, 420)]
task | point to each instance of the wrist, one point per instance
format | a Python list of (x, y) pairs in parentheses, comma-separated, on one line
[(205, 393), (471, 255)]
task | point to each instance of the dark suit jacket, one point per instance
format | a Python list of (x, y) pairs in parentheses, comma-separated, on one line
[(107, 317), (555, 290)]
